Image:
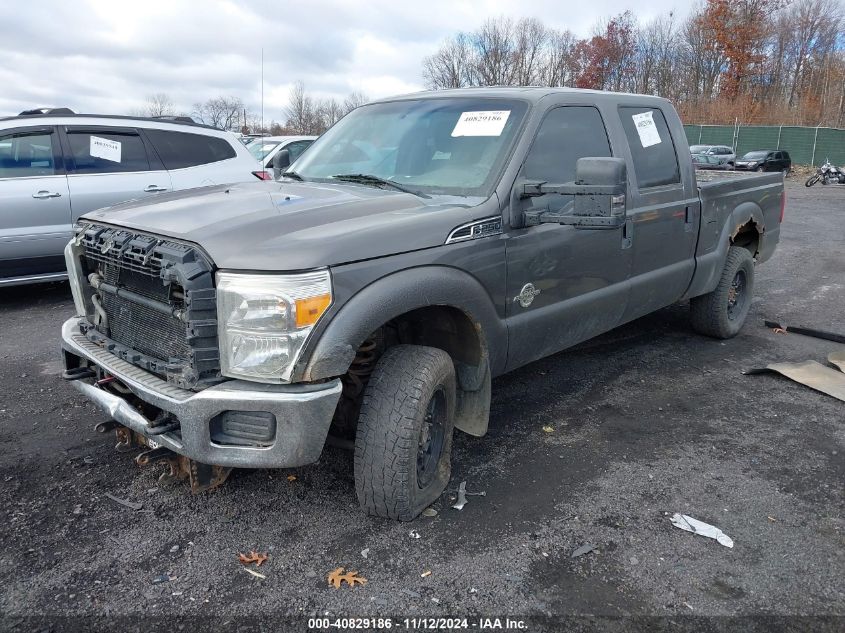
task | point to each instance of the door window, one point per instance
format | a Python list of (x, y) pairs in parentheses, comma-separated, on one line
[(296, 148), (178, 150), (652, 149), (566, 134), (25, 154), (107, 151)]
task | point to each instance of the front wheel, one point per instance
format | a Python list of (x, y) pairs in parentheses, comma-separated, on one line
[(722, 313), (812, 180), (403, 443)]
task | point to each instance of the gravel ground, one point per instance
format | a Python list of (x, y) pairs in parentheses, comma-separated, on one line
[(648, 420)]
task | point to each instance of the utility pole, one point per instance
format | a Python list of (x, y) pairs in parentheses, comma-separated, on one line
[(262, 91)]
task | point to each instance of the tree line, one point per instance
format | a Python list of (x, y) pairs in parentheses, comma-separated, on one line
[(758, 61), (304, 114)]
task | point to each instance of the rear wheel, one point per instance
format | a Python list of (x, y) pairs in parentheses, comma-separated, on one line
[(403, 442), (722, 313)]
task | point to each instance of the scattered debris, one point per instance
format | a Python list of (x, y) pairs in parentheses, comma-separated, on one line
[(163, 578), (548, 429), (513, 578), (252, 557), (778, 330), (337, 577), (584, 549), (688, 606), (772, 519), (254, 573), (429, 512), (838, 359), (77, 509), (827, 336), (291, 477), (462, 496), (695, 526), (810, 374), (365, 552), (88, 459), (414, 534), (124, 502), (411, 592), (174, 549), (425, 574)]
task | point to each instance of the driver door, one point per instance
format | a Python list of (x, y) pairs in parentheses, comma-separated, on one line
[(564, 284)]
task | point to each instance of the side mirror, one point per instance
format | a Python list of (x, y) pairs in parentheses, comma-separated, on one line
[(600, 187), (281, 161)]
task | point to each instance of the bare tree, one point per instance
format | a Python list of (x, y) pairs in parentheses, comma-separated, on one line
[(451, 66), (159, 104), (220, 112), (560, 68), (496, 45), (354, 100), (531, 38)]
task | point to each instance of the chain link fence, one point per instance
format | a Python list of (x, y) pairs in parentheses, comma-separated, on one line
[(806, 145)]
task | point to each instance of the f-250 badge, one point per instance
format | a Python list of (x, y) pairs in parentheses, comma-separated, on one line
[(526, 295)]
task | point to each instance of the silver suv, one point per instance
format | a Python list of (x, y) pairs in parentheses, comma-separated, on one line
[(56, 165)]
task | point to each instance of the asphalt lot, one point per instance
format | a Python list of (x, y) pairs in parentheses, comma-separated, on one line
[(648, 420)]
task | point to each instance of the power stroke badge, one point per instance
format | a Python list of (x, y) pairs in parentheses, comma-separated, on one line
[(526, 295)]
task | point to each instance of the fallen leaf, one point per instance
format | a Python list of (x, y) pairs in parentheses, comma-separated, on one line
[(291, 477), (779, 330), (772, 519), (337, 577), (252, 557), (549, 429), (425, 574), (429, 512), (255, 573)]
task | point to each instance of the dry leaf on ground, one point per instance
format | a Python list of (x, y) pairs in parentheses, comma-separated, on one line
[(337, 577), (252, 557)]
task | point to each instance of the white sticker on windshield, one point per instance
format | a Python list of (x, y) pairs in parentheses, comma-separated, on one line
[(105, 149), (646, 129), (485, 123)]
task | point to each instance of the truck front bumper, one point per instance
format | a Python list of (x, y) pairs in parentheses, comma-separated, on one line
[(302, 413)]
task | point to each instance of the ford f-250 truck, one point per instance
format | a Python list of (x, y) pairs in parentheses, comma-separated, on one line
[(422, 246)]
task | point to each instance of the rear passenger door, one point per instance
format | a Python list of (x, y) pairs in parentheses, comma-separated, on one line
[(199, 160), (35, 222), (108, 165), (664, 209)]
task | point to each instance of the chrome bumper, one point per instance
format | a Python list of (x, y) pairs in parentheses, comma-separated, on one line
[(303, 412)]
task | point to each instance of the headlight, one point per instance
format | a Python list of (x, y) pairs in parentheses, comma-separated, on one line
[(264, 320)]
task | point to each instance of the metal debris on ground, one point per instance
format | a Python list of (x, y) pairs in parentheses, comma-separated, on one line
[(584, 549), (252, 557), (429, 512), (701, 528), (827, 336), (125, 502), (338, 577), (414, 534), (462, 496), (810, 374), (163, 578), (254, 573)]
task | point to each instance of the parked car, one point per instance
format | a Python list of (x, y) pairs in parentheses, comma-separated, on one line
[(765, 160), (706, 161), (724, 153), (56, 165), (422, 246), (265, 149)]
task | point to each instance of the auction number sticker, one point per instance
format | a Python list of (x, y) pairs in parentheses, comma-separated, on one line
[(105, 148), (481, 123), (646, 129)]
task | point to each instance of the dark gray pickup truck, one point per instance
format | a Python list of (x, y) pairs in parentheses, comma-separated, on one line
[(422, 246)]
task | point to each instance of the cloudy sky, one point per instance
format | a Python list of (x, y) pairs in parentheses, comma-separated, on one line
[(107, 56)]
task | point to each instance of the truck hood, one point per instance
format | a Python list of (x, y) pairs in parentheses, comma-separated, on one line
[(294, 226)]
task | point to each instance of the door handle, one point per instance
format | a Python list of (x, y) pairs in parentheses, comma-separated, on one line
[(43, 195), (154, 189)]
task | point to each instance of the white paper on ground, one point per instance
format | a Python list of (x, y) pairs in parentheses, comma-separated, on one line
[(700, 527), (481, 123), (646, 129), (105, 149)]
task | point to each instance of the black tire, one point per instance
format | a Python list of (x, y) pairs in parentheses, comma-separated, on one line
[(722, 313), (759, 168), (812, 180), (410, 398)]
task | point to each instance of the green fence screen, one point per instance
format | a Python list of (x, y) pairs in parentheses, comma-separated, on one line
[(806, 145)]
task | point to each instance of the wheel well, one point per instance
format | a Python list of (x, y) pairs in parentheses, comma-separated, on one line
[(443, 327), (748, 236)]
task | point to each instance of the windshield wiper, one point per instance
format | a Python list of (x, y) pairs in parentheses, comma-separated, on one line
[(369, 179), (292, 174)]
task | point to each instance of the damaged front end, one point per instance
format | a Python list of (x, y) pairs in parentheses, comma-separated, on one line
[(144, 348)]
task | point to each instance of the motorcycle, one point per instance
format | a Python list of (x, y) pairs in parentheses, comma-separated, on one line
[(826, 174)]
